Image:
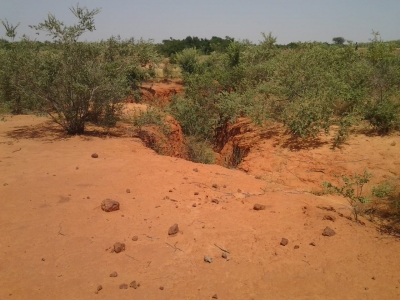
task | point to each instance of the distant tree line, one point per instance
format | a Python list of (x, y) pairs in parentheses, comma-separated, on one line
[(204, 45)]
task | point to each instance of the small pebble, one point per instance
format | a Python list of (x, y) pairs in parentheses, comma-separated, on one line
[(284, 242), (128, 191), (312, 244), (95, 155), (161, 288), (135, 238), (123, 286), (134, 285), (114, 274), (194, 205), (207, 259), (215, 296), (98, 289), (296, 246)]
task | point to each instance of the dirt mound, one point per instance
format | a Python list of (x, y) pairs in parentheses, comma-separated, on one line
[(159, 92), (166, 140)]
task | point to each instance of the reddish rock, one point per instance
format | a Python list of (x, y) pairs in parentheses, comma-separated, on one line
[(109, 205), (259, 207), (329, 218), (284, 242), (174, 229), (134, 285), (95, 155), (114, 274), (119, 247), (328, 232)]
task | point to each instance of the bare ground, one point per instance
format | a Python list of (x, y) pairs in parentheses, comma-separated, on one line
[(56, 241)]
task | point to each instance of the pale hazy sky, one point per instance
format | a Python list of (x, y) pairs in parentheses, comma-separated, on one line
[(288, 20)]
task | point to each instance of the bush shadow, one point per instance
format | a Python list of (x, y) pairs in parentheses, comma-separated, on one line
[(50, 131)]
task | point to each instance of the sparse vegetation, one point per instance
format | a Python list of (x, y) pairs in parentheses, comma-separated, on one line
[(383, 202)]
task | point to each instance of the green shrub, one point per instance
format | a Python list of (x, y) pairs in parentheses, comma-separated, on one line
[(188, 60), (200, 151)]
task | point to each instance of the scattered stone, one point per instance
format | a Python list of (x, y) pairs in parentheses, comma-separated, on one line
[(373, 278), (349, 218), (87, 197), (128, 191), (134, 285), (329, 208), (170, 191), (215, 296), (109, 205), (208, 259), (98, 289), (77, 168), (174, 229), (312, 244), (135, 238), (161, 288), (224, 255), (329, 218), (239, 190), (328, 232), (284, 242), (95, 155), (43, 259), (366, 289), (195, 170), (296, 246), (216, 201), (123, 286), (194, 204), (119, 247), (259, 207), (114, 274), (215, 186), (196, 193)]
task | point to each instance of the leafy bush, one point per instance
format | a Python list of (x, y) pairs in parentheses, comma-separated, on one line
[(384, 115), (200, 151), (188, 60), (352, 190)]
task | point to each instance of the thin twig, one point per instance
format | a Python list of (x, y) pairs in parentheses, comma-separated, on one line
[(313, 170), (17, 150), (59, 231), (222, 249), (174, 246), (352, 160), (151, 237), (131, 257)]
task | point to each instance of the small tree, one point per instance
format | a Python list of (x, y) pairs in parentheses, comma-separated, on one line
[(338, 40), (76, 81)]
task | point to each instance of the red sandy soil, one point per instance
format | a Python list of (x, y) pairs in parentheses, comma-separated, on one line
[(56, 241)]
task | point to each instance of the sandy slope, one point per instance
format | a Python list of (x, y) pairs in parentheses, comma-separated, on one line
[(55, 239)]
